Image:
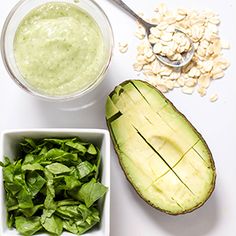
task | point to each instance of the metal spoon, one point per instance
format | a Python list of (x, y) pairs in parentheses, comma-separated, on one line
[(187, 57)]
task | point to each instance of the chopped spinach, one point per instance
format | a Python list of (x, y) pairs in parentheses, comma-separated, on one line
[(53, 185)]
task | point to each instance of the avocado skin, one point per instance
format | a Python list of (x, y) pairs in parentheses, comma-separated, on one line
[(116, 148)]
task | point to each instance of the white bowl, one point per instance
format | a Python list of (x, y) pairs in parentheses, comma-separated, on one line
[(9, 141)]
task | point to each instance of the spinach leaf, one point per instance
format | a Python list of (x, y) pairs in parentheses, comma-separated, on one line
[(12, 187), (35, 182), (79, 147), (30, 142), (24, 198), (32, 167), (67, 202), (69, 212), (27, 226), (91, 192), (84, 169), (53, 153), (29, 158), (66, 183), (55, 141), (98, 165), (70, 226), (50, 191), (92, 220), (6, 162), (58, 168), (28, 212), (51, 223), (8, 173), (92, 150), (11, 200), (10, 220), (69, 159), (71, 182)]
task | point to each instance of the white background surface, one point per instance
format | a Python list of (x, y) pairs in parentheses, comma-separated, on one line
[(131, 216)]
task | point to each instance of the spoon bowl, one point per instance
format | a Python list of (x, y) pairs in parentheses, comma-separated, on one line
[(186, 57)]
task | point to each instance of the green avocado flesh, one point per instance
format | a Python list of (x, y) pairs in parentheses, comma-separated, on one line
[(163, 156)]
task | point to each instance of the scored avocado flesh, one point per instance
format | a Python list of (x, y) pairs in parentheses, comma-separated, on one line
[(163, 156)]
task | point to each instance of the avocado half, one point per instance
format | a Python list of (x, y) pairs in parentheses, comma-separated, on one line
[(163, 156)]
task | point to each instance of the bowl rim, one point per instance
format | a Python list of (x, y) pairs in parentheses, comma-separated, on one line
[(56, 130), (107, 153), (66, 97)]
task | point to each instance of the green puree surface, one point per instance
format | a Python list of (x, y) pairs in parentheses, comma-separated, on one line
[(59, 49)]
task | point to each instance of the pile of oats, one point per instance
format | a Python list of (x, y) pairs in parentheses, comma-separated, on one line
[(208, 62)]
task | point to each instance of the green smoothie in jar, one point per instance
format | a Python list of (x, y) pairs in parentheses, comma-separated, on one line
[(59, 49)]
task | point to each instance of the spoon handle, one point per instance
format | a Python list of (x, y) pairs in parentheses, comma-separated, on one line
[(130, 11)]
